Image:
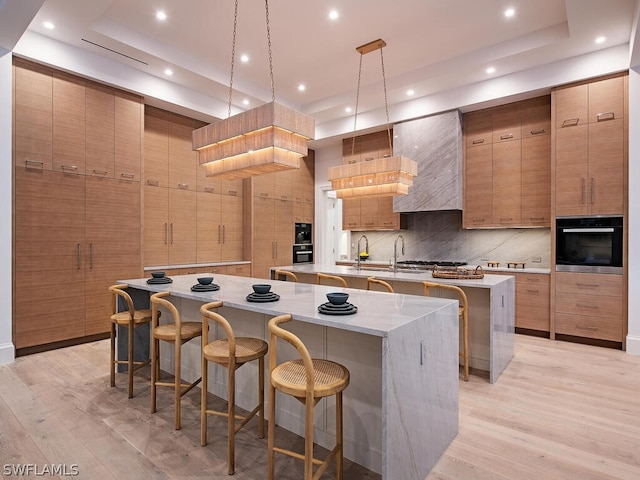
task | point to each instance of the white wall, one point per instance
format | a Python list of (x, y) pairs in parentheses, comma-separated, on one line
[(6, 79)]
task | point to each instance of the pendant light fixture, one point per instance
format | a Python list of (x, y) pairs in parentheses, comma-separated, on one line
[(266, 139), (390, 175)]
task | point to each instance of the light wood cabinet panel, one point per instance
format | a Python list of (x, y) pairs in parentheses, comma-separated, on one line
[(350, 214), (303, 212), (600, 328), (68, 124), (536, 180), (209, 227), (369, 212), (507, 183), (128, 135), (264, 186), (387, 218), (478, 127), (536, 117), (112, 239), (532, 301), (606, 100), (232, 227), (263, 257), (49, 243), (156, 147), (283, 233), (572, 106), (571, 170), (182, 157), (33, 115), (507, 122), (100, 149), (182, 226), (240, 270), (606, 167), (589, 284), (478, 195), (156, 225)]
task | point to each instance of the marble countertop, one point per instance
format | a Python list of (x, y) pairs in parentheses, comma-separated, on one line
[(405, 275), (195, 265), (367, 263), (378, 312)]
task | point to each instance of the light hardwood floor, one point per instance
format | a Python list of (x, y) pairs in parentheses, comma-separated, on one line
[(559, 411)]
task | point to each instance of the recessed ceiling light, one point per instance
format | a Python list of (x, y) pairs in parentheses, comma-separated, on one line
[(601, 39), (245, 102), (49, 25), (244, 58), (490, 70), (410, 92), (302, 87), (348, 109), (168, 71), (509, 12), (333, 15), (161, 15)]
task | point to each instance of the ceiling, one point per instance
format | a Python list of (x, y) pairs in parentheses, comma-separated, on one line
[(433, 46)]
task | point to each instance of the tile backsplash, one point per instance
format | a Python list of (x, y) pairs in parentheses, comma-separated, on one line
[(440, 236)]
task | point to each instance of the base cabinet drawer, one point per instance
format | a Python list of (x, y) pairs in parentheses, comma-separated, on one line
[(589, 284), (532, 305), (602, 328), (590, 306)]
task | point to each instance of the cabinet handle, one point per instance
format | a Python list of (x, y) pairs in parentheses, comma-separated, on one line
[(503, 220), (78, 256), (368, 159), (601, 117), (506, 137), (477, 141), (591, 328), (91, 256), (588, 285), (570, 122), (100, 172), (34, 164), (478, 220), (532, 280), (583, 191), (283, 197), (183, 186), (533, 290), (223, 234), (233, 193), (219, 236), (171, 233), (584, 305), (128, 175), (166, 233), (72, 168), (153, 183), (536, 219), (593, 190), (538, 132), (208, 189)]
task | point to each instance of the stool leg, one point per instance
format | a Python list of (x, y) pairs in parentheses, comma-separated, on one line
[(231, 420), (203, 402), (130, 358), (339, 435), (177, 382), (271, 429), (465, 340), (308, 438), (154, 372), (112, 355), (261, 397)]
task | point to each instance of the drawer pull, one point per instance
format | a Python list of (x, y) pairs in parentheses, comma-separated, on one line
[(183, 186), (153, 183), (584, 305), (351, 162), (368, 159), (34, 164), (570, 122), (233, 193), (503, 220), (538, 132), (601, 117), (264, 194), (128, 175), (536, 219), (478, 141), (587, 285), (506, 137), (100, 172), (533, 280), (209, 189), (533, 290), (73, 168), (591, 328)]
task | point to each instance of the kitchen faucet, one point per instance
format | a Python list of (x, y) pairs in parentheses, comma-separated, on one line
[(366, 247), (395, 252)]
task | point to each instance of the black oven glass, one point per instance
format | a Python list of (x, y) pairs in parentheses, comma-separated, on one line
[(593, 242), (302, 232)]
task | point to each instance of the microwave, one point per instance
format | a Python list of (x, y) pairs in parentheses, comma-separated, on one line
[(589, 244)]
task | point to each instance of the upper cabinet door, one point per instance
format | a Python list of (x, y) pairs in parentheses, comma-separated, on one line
[(33, 128), (100, 130), (182, 158), (572, 105), (68, 124), (156, 147), (128, 136), (606, 100), (478, 128), (536, 116), (507, 122)]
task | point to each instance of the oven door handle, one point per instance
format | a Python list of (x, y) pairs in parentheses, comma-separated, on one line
[(588, 230)]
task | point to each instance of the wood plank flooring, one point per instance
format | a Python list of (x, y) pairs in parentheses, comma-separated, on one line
[(559, 411)]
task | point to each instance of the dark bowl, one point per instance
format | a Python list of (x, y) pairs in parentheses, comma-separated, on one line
[(157, 274), (261, 288), (205, 280), (337, 298)]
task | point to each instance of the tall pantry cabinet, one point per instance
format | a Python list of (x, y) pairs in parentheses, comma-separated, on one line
[(77, 213)]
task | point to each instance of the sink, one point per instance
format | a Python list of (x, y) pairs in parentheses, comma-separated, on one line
[(388, 270)]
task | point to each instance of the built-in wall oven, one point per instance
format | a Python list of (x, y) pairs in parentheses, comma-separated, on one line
[(302, 243), (303, 253), (589, 244)]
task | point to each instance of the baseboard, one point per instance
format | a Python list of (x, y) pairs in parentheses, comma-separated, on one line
[(633, 344), (7, 353)]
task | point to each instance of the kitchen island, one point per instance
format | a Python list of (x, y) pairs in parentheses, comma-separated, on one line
[(491, 306), (401, 407)]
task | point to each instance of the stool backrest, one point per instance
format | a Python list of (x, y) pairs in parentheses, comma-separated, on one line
[(119, 291), (462, 297), (374, 281), (157, 299), (330, 279), (287, 274), (206, 312)]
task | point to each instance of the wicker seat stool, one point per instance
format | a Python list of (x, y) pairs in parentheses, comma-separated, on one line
[(371, 281), (308, 380), (326, 279)]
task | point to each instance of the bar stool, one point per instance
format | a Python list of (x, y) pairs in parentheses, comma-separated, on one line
[(130, 319), (287, 274), (177, 333), (325, 278), (232, 353), (463, 312), (374, 281), (308, 380)]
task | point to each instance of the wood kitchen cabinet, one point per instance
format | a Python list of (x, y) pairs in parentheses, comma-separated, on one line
[(370, 214), (69, 124), (508, 165), (219, 227), (590, 148), (589, 305)]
